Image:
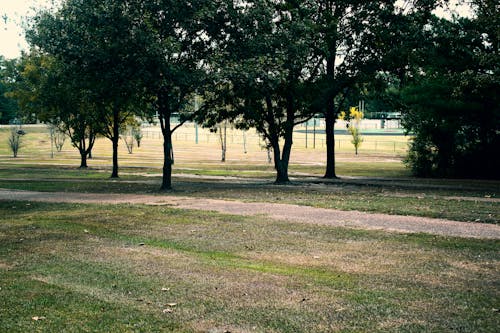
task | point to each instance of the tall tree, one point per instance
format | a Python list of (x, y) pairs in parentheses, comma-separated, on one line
[(101, 41), (264, 72), (8, 106), (179, 45), (452, 109), (355, 39)]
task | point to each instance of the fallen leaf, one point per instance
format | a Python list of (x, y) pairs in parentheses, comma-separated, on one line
[(165, 289), (167, 310), (172, 304)]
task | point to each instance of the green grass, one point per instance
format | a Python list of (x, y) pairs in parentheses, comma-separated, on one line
[(83, 268)]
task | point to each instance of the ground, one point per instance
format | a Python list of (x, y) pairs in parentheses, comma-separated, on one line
[(228, 251)]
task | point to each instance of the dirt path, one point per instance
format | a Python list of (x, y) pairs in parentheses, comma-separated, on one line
[(294, 213)]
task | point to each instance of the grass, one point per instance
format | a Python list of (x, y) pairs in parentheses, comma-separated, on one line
[(84, 268), (116, 268), (438, 199)]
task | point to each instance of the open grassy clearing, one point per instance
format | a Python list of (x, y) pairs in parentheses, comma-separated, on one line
[(248, 160), (82, 268)]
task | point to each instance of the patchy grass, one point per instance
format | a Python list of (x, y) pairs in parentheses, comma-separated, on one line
[(84, 268), (464, 201)]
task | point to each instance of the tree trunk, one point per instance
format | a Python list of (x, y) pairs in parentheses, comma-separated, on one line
[(168, 160), (330, 114), (282, 160), (280, 165), (115, 138), (83, 159), (330, 143), (82, 149), (168, 156)]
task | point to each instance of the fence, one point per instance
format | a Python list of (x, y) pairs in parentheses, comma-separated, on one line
[(197, 135)]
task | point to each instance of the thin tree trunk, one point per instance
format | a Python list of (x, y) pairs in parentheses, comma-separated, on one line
[(166, 183), (330, 143), (168, 156), (115, 138), (330, 114)]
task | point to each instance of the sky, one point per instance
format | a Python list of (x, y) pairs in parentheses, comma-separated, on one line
[(13, 15)]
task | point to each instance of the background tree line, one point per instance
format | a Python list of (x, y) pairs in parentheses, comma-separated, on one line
[(268, 65)]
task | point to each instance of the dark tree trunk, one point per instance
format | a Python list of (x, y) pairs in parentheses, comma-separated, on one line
[(280, 165), (168, 160), (82, 148), (168, 156), (330, 117), (115, 138), (330, 143), (83, 159)]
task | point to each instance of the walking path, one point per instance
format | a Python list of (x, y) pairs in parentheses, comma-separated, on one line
[(287, 212)]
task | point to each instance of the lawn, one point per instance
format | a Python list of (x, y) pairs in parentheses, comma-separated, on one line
[(140, 268)]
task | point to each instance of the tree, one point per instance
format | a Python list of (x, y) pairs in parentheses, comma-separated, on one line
[(8, 106), (180, 43), (450, 106), (45, 88), (15, 139), (263, 73), (356, 40), (353, 126), (102, 43)]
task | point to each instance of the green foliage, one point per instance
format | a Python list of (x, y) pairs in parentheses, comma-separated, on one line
[(100, 46), (452, 109), (263, 72), (49, 90), (8, 106)]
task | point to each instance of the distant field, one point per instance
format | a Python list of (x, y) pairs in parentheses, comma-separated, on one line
[(379, 155)]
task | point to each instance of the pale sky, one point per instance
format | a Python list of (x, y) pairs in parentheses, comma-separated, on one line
[(13, 14)]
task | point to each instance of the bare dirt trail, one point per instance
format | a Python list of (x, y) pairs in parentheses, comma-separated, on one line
[(286, 212)]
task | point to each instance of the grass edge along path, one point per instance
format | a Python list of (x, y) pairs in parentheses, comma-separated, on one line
[(295, 213)]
